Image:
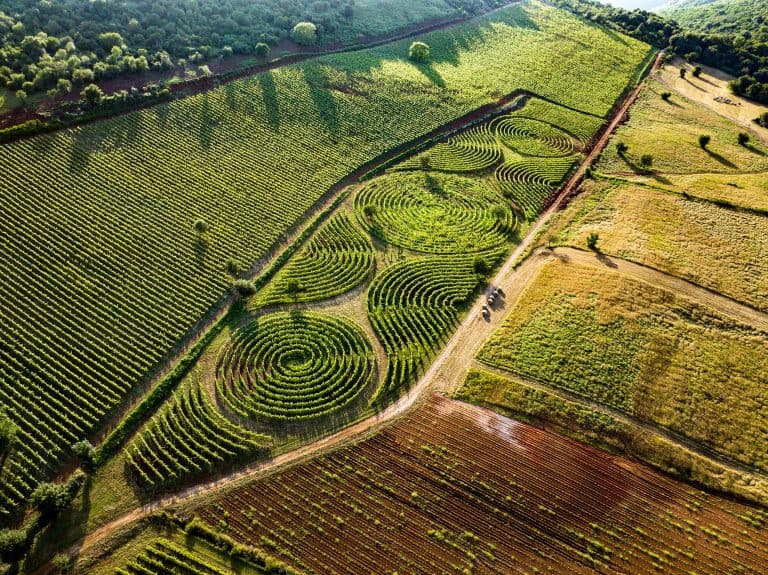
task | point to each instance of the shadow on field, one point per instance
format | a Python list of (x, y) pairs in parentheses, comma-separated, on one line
[(719, 158), (325, 102), (754, 149), (271, 103), (428, 69)]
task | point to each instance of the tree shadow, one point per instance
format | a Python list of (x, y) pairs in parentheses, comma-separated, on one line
[(201, 250), (429, 71), (719, 158), (755, 150), (694, 85), (324, 100), (271, 103), (205, 135)]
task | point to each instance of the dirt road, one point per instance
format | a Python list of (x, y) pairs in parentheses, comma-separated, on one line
[(456, 356)]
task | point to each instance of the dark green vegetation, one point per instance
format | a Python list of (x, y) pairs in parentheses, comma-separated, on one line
[(100, 220), (745, 18), (738, 46), (66, 44)]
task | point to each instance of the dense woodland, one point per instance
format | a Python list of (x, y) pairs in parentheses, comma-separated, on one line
[(742, 50), (57, 45)]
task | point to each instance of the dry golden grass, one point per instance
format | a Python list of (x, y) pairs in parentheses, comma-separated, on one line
[(720, 249)]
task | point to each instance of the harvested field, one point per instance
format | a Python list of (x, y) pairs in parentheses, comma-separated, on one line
[(456, 488)]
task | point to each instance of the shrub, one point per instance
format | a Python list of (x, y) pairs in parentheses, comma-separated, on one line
[(682, 72), (201, 226), (369, 211), (646, 161), (592, 240), (92, 95), (51, 498), (762, 120), (697, 71), (304, 33), (261, 50), (13, 545), (482, 266), (86, 453), (704, 141), (666, 96), (418, 52), (244, 287), (743, 138), (233, 267), (621, 148)]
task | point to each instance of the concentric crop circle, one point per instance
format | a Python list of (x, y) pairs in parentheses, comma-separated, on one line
[(533, 137), (434, 213), (290, 366)]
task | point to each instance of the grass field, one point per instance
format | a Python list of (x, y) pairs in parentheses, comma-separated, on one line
[(715, 247), (457, 489), (123, 274), (641, 350), (669, 131)]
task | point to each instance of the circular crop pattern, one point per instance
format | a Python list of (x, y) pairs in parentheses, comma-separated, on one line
[(294, 366), (533, 137), (472, 151), (437, 213), (530, 181)]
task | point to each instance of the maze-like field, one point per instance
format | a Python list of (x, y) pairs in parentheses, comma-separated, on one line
[(414, 306), (434, 213), (291, 366), (338, 258), (188, 436), (533, 137), (473, 151), (530, 181)]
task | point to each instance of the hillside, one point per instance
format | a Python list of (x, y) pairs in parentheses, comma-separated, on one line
[(744, 17)]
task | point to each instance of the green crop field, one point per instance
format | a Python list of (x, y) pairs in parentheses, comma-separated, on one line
[(641, 350), (120, 272)]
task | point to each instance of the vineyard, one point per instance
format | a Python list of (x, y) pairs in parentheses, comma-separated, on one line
[(127, 229), (338, 258), (642, 350), (458, 489)]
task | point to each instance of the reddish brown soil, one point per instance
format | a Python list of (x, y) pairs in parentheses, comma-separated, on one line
[(457, 487)]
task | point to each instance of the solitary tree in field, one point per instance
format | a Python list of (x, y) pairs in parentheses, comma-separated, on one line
[(621, 148), (418, 52), (743, 138), (201, 226), (666, 96), (763, 120), (592, 240), (697, 71), (682, 72), (304, 33), (92, 95), (646, 161), (704, 141), (261, 49)]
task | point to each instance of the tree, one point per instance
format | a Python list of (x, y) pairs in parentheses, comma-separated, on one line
[(293, 287), (682, 72), (304, 33), (418, 52), (763, 120), (704, 141), (8, 432), (233, 267), (697, 71), (22, 97), (481, 265), (109, 40), (244, 287), (621, 148), (86, 453), (646, 161), (201, 226), (13, 545), (666, 96), (50, 498), (64, 86), (592, 240), (743, 138), (92, 95), (261, 50), (369, 210)]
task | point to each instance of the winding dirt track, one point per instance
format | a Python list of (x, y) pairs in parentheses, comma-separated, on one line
[(444, 374)]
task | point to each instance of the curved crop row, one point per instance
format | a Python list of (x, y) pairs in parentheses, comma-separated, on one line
[(435, 213), (338, 258), (294, 366), (188, 436), (472, 151), (580, 125), (533, 137), (414, 306), (530, 181)]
